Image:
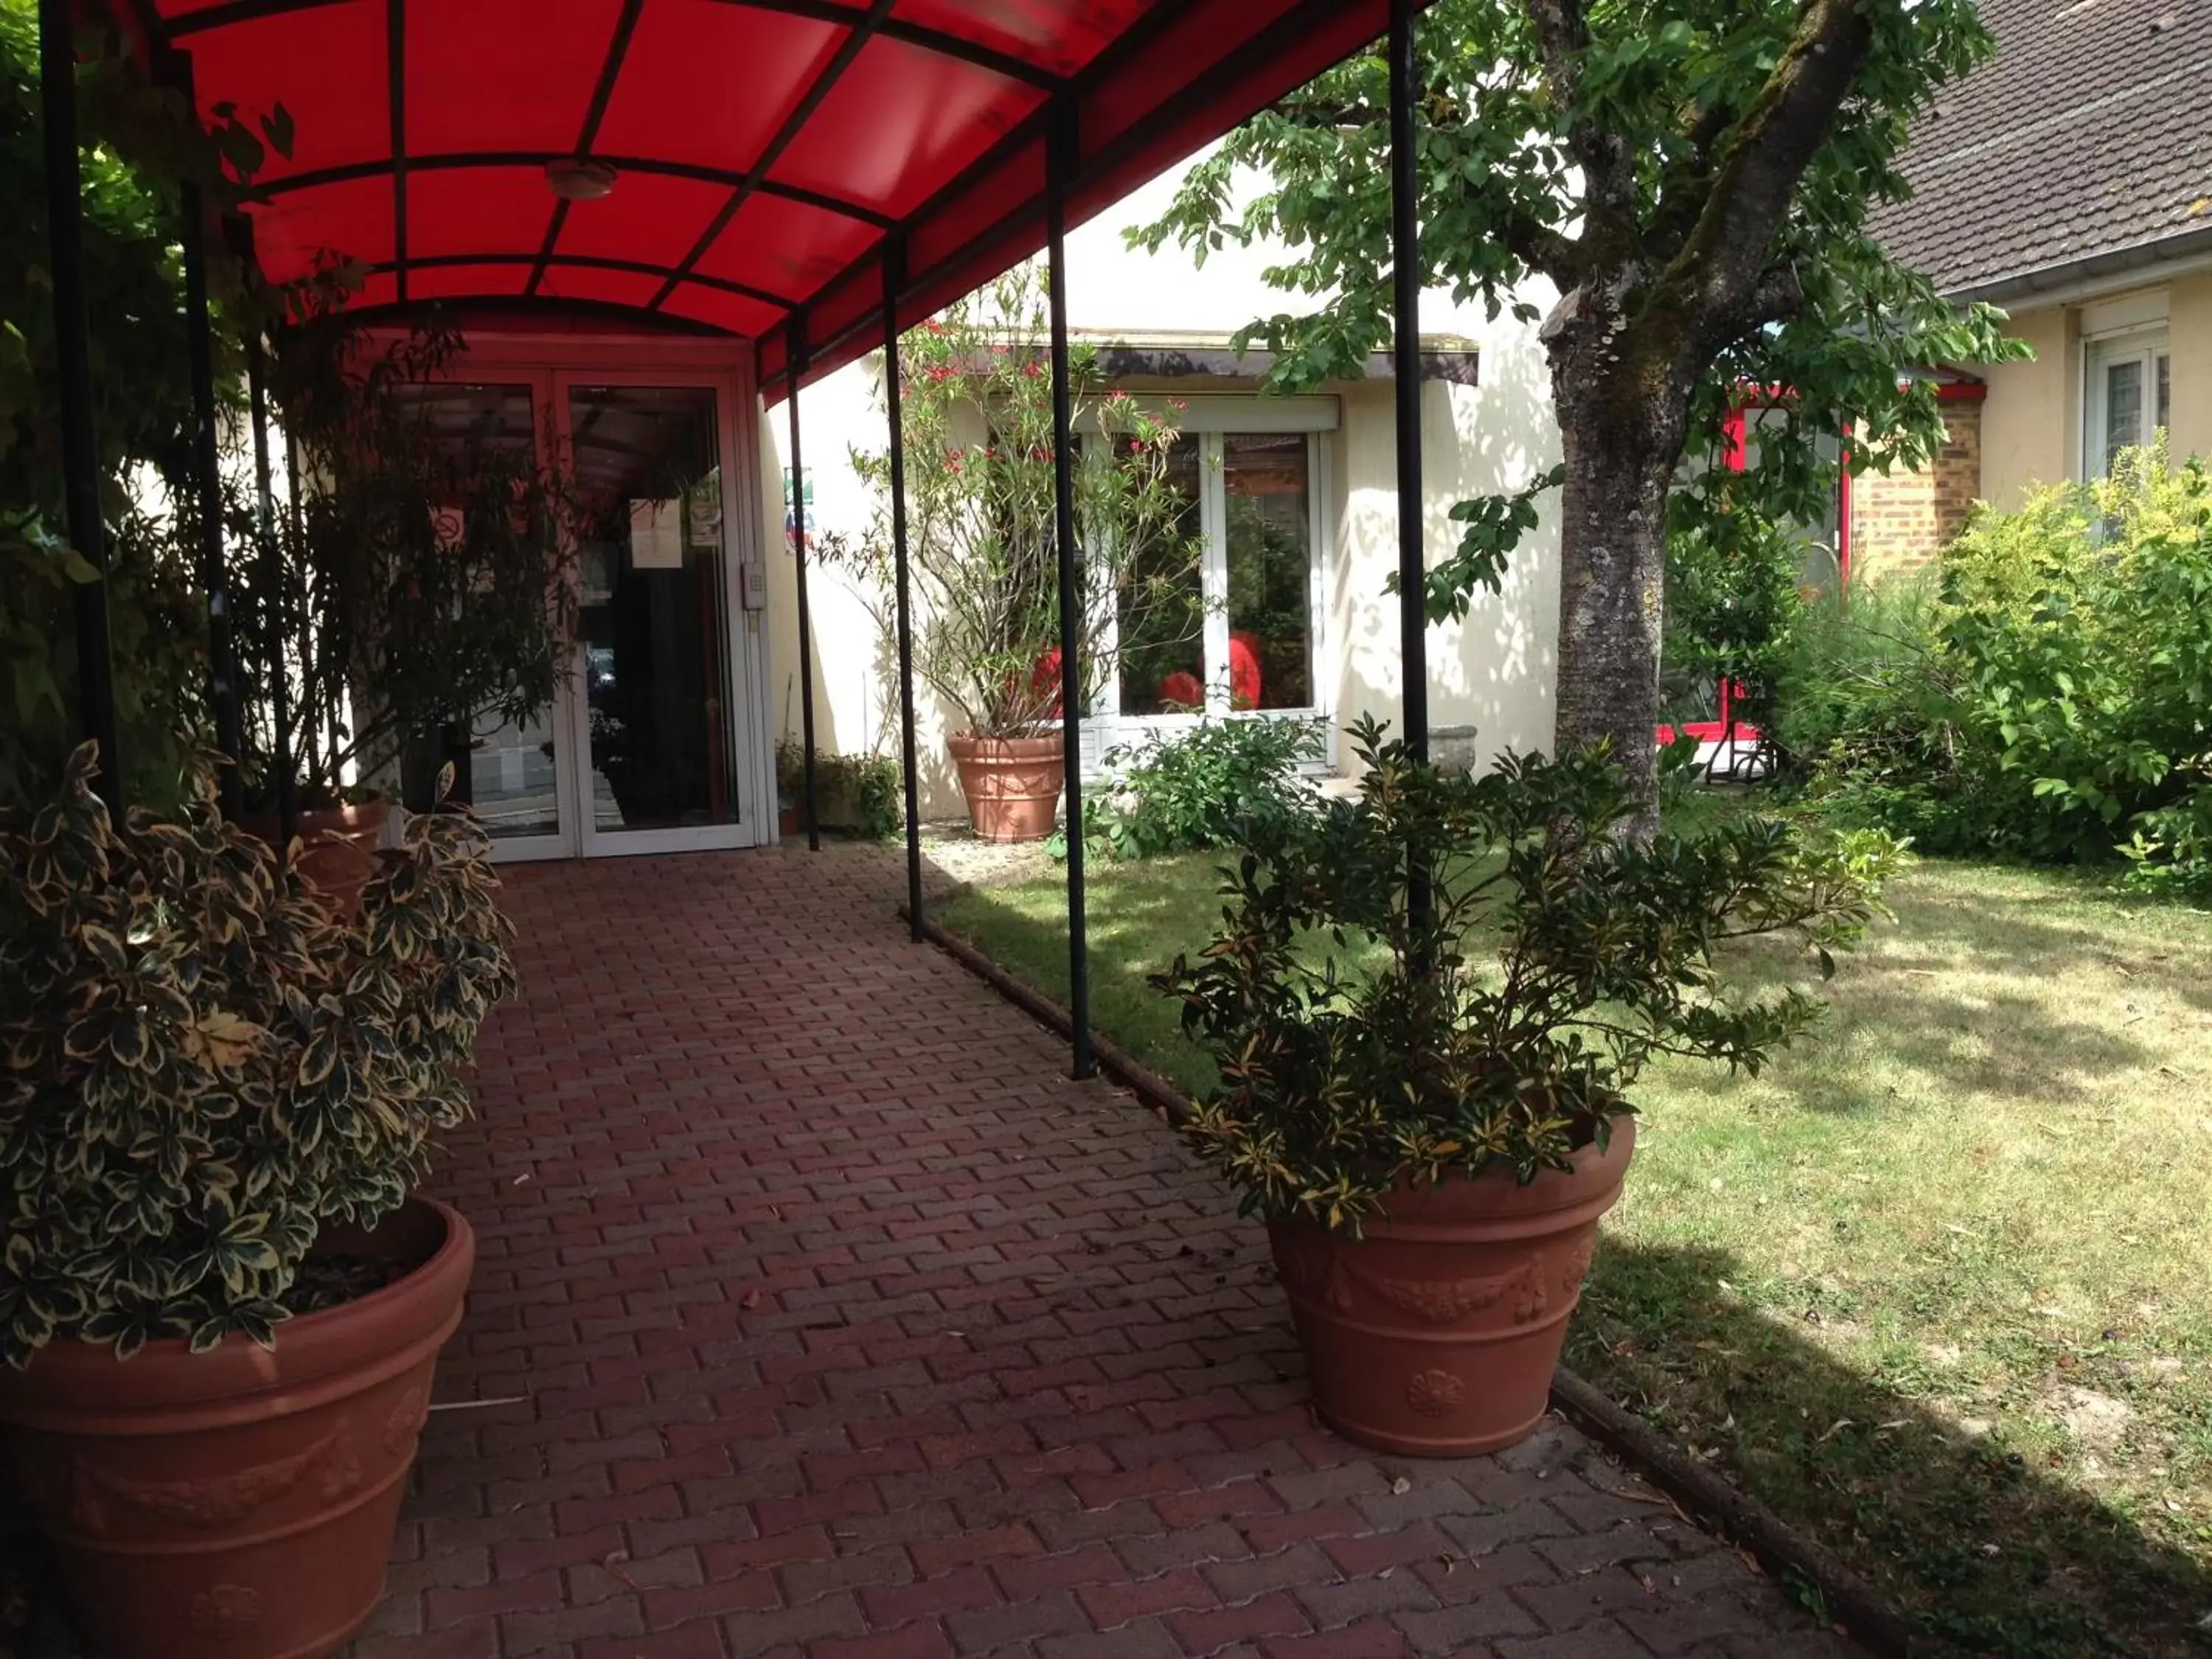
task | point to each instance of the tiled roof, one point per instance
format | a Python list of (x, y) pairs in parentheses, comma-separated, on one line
[(2089, 132)]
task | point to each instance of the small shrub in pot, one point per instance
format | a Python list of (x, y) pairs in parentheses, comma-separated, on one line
[(1429, 1104), (219, 1306)]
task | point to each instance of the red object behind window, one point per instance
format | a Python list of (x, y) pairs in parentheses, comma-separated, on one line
[(1181, 690), (1244, 669)]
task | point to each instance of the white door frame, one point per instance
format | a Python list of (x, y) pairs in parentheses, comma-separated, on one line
[(551, 364)]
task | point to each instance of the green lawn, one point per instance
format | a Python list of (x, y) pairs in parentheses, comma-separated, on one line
[(1938, 1286)]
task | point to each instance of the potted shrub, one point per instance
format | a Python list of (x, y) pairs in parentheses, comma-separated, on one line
[(418, 590), (1431, 1104), (976, 403), (219, 1305)]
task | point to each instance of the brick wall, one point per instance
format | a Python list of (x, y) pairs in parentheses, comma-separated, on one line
[(1901, 519)]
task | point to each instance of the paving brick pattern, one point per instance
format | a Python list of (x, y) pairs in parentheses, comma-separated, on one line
[(819, 1314)]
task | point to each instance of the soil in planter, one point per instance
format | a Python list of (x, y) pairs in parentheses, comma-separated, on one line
[(338, 1270), (329, 1281)]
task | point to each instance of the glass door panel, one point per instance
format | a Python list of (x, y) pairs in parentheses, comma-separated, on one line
[(513, 772), (655, 620)]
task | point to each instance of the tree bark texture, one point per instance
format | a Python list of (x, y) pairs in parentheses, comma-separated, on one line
[(1612, 555), (1643, 312)]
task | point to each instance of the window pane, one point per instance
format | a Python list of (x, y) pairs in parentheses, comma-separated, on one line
[(1163, 658), (1270, 566), (2165, 390), (2124, 398)]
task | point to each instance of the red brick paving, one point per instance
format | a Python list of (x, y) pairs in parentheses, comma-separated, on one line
[(845, 1326)]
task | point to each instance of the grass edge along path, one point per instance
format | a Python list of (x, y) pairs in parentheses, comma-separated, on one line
[(1937, 1288)]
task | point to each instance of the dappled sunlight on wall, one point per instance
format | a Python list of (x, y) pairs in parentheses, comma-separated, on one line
[(1491, 671)]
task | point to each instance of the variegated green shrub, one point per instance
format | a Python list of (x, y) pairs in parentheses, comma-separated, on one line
[(201, 1068)]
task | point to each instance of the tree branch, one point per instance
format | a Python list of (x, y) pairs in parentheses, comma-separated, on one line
[(1609, 175), (1762, 159)]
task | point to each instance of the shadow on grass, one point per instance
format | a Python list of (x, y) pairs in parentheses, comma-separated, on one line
[(1964, 1532)]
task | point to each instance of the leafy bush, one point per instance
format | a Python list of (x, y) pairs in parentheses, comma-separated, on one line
[(1733, 604), (425, 590), (1362, 1042), (1199, 788), (139, 146), (2085, 655), (861, 794), (202, 1068), (1866, 716), (2049, 698)]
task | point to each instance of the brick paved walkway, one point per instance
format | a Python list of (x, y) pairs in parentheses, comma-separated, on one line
[(819, 1314)]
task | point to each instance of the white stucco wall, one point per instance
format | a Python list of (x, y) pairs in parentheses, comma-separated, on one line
[(1492, 672)]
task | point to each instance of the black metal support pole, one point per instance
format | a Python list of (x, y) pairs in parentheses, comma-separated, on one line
[(1406, 275), (893, 276), (796, 362), (272, 578), (88, 533), (207, 474), (1413, 560), (1059, 161)]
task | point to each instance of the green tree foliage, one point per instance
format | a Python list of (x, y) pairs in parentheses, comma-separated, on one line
[(1692, 178), (141, 147)]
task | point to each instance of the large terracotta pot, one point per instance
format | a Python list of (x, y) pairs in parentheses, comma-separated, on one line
[(1435, 1335), (240, 1504), (1012, 784), (337, 855)]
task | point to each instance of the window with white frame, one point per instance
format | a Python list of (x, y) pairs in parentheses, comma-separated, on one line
[(2128, 387), (1253, 504)]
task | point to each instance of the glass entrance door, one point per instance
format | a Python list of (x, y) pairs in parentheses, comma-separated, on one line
[(661, 742), (655, 744), (660, 749)]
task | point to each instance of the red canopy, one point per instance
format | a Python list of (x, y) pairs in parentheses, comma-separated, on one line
[(763, 149)]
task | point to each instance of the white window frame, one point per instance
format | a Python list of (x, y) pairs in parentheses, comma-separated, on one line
[(1212, 421), (2146, 344)]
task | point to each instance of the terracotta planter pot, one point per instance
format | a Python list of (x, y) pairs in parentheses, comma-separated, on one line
[(338, 854), (240, 1504), (1012, 784), (1437, 1333)]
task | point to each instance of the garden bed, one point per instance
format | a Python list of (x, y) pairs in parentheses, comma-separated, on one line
[(1934, 1286)]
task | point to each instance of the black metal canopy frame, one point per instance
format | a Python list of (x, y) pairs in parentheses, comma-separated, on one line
[(81, 457)]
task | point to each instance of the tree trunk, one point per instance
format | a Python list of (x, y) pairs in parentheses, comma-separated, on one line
[(1612, 560)]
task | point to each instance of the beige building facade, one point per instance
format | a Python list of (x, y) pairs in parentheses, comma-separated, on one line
[(1163, 327), (2098, 247)]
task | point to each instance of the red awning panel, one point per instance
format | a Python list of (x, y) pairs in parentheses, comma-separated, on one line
[(765, 152)]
